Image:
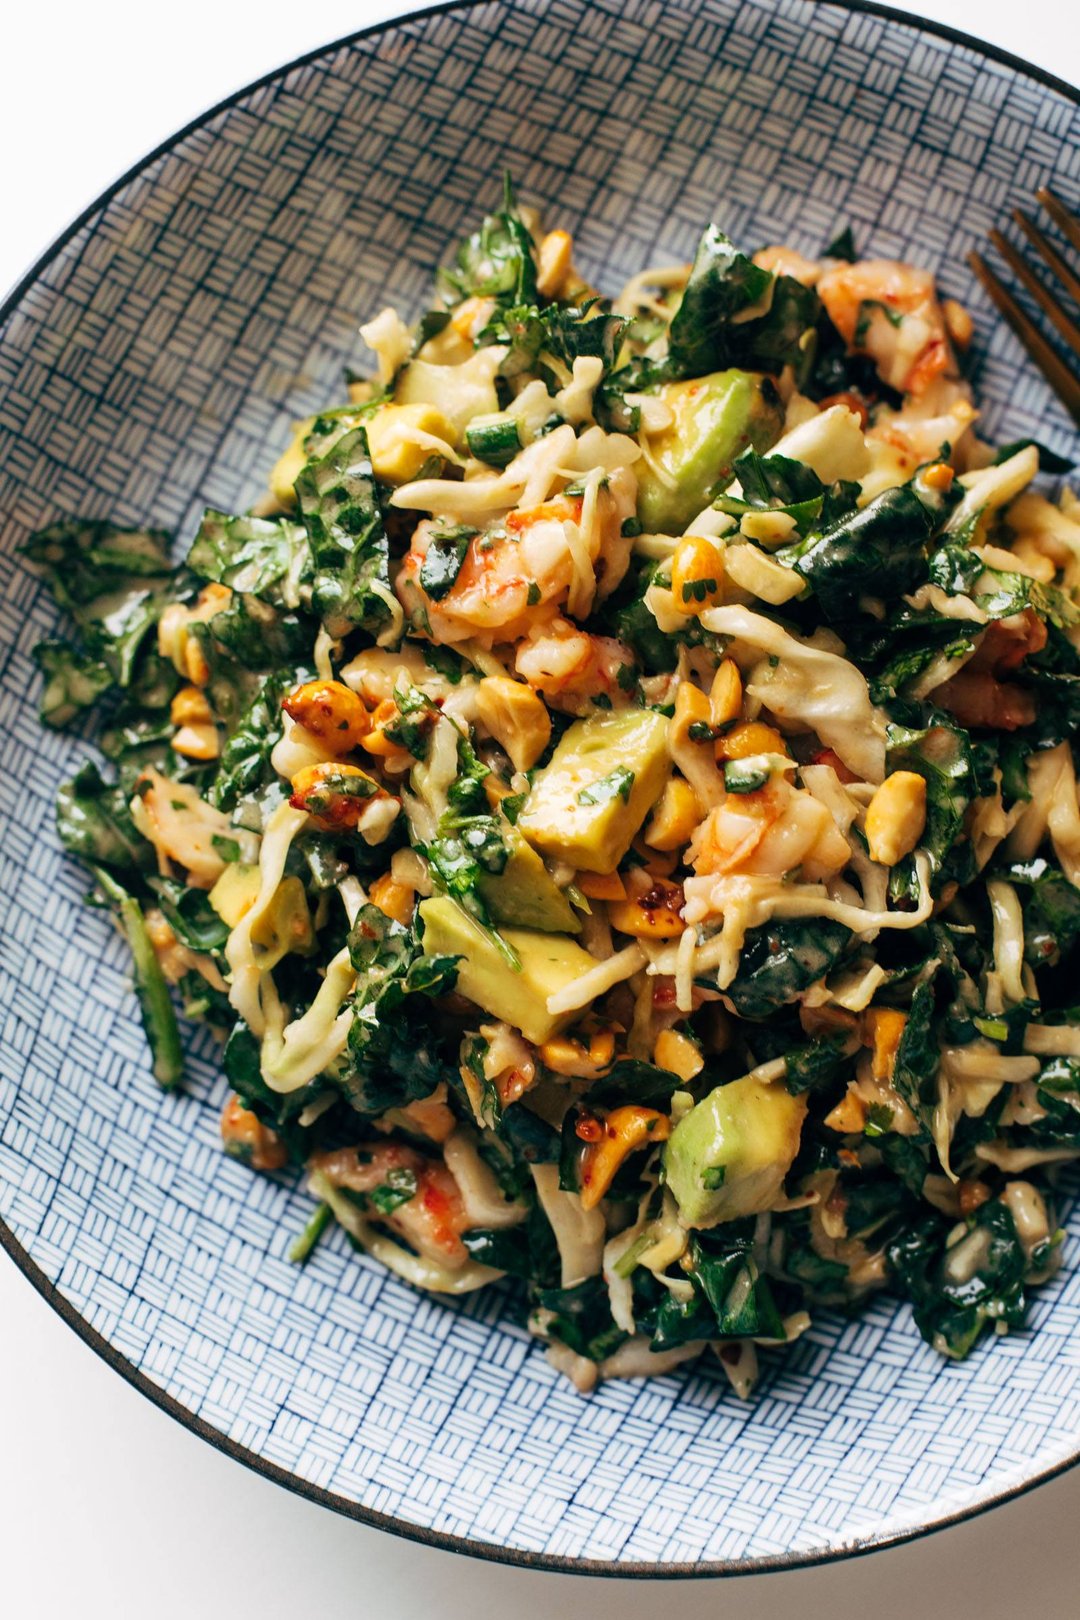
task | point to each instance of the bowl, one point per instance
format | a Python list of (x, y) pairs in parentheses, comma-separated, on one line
[(151, 363)]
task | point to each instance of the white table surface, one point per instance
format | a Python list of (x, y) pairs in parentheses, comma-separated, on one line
[(108, 1507)]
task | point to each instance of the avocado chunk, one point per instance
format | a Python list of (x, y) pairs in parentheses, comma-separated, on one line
[(716, 418), (549, 962), (601, 782), (728, 1156), (523, 894)]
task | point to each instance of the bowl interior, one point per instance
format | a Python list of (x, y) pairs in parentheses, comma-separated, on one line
[(151, 366)]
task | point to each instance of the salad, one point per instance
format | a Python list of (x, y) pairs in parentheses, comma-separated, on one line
[(616, 796)]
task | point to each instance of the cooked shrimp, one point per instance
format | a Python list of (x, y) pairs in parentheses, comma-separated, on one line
[(516, 575), (890, 312), (977, 695), (572, 668), (769, 833), (431, 1220)]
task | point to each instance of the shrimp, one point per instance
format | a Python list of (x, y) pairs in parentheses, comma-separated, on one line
[(890, 312), (431, 1220), (517, 574), (572, 668), (977, 695), (769, 833)]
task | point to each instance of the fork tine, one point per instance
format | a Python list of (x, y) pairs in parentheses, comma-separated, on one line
[(1053, 258), (1068, 329), (1066, 222), (1057, 374)]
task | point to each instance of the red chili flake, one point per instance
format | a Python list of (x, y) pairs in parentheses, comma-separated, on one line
[(588, 1128), (731, 1353)]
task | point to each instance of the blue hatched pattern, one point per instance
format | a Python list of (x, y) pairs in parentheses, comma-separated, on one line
[(155, 367)]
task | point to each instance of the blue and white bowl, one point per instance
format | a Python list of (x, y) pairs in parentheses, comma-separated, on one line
[(151, 364)]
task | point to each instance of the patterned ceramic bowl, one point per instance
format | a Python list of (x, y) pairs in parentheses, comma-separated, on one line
[(151, 364)]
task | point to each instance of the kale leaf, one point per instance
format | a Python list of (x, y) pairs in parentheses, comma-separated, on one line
[(1051, 909), (497, 261), (917, 1058), (580, 1317), (74, 681), (950, 1313), (398, 1048), (782, 958), (445, 554), (264, 557), (94, 822), (941, 754), (244, 765), (704, 335), (878, 551), (340, 509)]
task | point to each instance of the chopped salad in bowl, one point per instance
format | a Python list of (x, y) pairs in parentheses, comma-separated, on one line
[(616, 796)]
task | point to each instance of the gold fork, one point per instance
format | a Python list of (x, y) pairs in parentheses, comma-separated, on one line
[(1062, 378)]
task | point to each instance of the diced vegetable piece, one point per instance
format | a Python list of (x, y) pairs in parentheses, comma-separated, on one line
[(459, 392), (151, 988), (235, 892), (496, 441), (396, 436), (607, 772), (716, 418), (728, 1156), (523, 894), (549, 962)]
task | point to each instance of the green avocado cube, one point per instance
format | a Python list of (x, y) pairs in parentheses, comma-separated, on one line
[(728, 1156), (715, 419), (524, 894), (589, 801), (549, 962)]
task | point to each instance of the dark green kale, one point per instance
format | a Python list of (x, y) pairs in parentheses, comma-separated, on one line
[(189, 914), (732, 1299), (151, 988), (558, 332), (399, 1049), (260, 637), (878, 551), (264, 557), (940, 752), (339, 504), (1049, 460), (74, 681), (917, 1058), (704, 335), (94, 822), (954, 1298), (580, 1317), (244, 766), (782, 958), (528, 1251), (115, 584), (497, 261), (775, 484), (333, 1127), (842, 246), (1051, 909), (445, 554)]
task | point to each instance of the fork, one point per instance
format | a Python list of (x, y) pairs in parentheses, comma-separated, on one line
[(1062, 378)]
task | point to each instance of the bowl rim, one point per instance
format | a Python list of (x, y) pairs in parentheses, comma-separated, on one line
[(491, 1552)]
